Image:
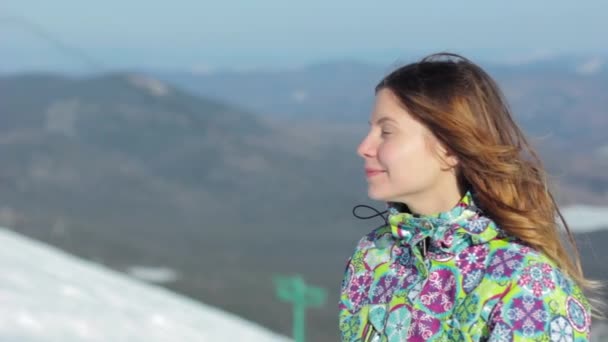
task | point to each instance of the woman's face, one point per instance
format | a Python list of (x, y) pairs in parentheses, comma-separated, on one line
[(401, 155)]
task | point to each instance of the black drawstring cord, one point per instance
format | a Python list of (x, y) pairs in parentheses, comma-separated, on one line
[(378, 213), (424, 244)]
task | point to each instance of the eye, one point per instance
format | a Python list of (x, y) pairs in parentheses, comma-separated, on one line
[(385, 132)]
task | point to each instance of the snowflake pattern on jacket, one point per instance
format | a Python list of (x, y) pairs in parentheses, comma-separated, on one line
[(456, 276)]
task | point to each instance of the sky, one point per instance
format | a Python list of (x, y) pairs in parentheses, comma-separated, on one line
[(201, 34)]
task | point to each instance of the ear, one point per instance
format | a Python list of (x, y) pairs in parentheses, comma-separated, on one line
[(451, 161), (448, 158)]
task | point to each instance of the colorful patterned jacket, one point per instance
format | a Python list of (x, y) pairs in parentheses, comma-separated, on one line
[(456, 276)]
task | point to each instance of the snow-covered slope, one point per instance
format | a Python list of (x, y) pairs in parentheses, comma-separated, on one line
[(586, 218), (48, 295)]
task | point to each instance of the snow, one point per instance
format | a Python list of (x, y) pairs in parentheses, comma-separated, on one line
[(49, 295), (152, 85), (157, 275), (591, 66), (586, 218)]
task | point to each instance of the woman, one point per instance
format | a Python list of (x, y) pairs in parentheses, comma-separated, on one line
[(471, 250)]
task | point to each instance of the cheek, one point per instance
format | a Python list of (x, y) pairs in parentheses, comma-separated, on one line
[(398, 154), (388, 155), (408, 159)]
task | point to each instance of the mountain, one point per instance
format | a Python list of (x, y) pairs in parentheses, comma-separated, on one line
[(562, 109), (340, 91), (127, 171), (111, 143), (48, 295), (548, 97), (575, 64)]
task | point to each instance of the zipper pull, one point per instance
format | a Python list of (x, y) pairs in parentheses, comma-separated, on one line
[(424, 247)]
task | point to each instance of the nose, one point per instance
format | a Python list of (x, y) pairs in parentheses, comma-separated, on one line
[(366, 148)]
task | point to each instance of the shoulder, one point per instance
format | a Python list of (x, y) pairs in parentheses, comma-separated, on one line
[(526, 268), (528, 271), (538, 297)]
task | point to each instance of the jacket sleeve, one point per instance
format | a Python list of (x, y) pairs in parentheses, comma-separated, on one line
[(540, 304)]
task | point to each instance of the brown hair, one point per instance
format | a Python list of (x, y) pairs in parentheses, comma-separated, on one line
[(466, 110)]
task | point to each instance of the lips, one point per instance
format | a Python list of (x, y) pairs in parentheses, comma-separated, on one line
[(373, 172)]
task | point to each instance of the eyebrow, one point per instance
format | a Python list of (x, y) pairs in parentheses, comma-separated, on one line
[(382, 120)]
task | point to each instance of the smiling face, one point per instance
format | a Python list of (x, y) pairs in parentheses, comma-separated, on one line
[(403, 159)]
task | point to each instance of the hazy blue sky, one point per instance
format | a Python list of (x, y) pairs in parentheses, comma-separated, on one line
[(202, 34)]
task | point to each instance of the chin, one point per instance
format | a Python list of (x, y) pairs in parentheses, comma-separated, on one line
[(377, 195), (386, 195)]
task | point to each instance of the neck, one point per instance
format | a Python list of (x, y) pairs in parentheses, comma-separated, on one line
[(434, 201)]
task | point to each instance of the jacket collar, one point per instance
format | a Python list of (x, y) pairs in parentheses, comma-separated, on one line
[(447, 231)]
